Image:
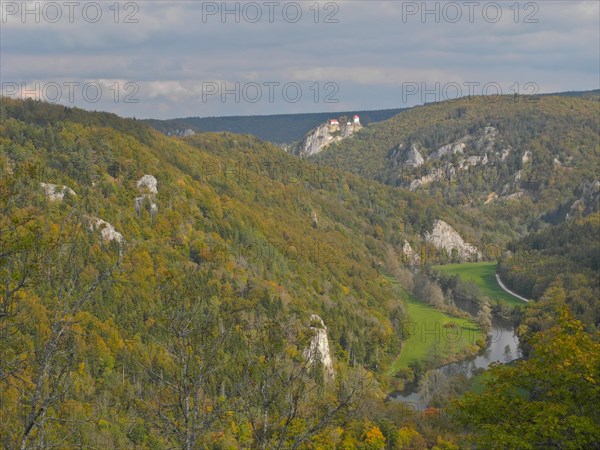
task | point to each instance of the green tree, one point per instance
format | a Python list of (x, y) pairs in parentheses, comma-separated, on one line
[(189, 394), (551, 400)]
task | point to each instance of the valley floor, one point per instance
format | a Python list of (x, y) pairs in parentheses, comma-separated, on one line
[(434, 337), (483, 274)]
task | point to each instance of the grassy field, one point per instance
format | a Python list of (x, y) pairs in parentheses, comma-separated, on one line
[(434, 335), (483, 275)]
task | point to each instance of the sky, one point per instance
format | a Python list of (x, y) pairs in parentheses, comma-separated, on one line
[(150, 59)]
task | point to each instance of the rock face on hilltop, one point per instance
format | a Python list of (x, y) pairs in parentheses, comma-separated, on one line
[(181, 132), (324, 135), (443, 236), (450, 149), (407, 156), (318, 349), (479, 149), (55, 192)]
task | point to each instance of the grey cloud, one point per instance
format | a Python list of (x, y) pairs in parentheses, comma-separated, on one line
[(369, 53)]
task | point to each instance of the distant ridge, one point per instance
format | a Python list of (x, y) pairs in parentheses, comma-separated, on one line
[(588, 95), (280, 128), (290, 128)]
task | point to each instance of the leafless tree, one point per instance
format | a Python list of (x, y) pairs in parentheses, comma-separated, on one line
[(62, 279), (184, 400), (280, 388)]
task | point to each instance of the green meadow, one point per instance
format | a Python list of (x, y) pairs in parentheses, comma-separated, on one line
[(483, 275), (434, 336)]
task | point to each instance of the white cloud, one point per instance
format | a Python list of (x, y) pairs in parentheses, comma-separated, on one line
[(170, 52)]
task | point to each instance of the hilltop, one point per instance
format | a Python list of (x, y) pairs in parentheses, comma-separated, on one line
[(523, 162), (321, 137)]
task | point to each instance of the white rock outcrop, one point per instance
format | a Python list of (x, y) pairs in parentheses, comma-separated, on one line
[(443, 236), (181, 132), (148, 185), (482, 142), (145, 200), (473, 161), (514, 195), (485, 143), (323, 136), (450, 161), (589, 201), (446, 172), (504, 153), (407, 156), (55, 192), (409, 256), (318, 349), (449, 149), (314, 219), (107, 231)]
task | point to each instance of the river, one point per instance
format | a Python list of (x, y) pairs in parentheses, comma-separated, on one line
[(503, 347)]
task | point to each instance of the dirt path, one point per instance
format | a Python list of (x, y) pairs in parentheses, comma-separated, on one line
[(509, 291)]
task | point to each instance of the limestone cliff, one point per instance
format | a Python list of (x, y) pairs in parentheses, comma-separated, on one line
[(481, 148), (409, 256), (318, 349), (589, 201), (443, 236), (181, 132), (107, 231), (407, 156), (55, 192), (324, 135), (148, 186), (148, 183)]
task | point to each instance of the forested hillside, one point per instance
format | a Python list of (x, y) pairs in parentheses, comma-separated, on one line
[(217, 292), (565, 256), (159, 291), (521, 161)]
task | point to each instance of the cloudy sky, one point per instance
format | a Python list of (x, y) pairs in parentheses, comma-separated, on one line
[(192, 58)]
